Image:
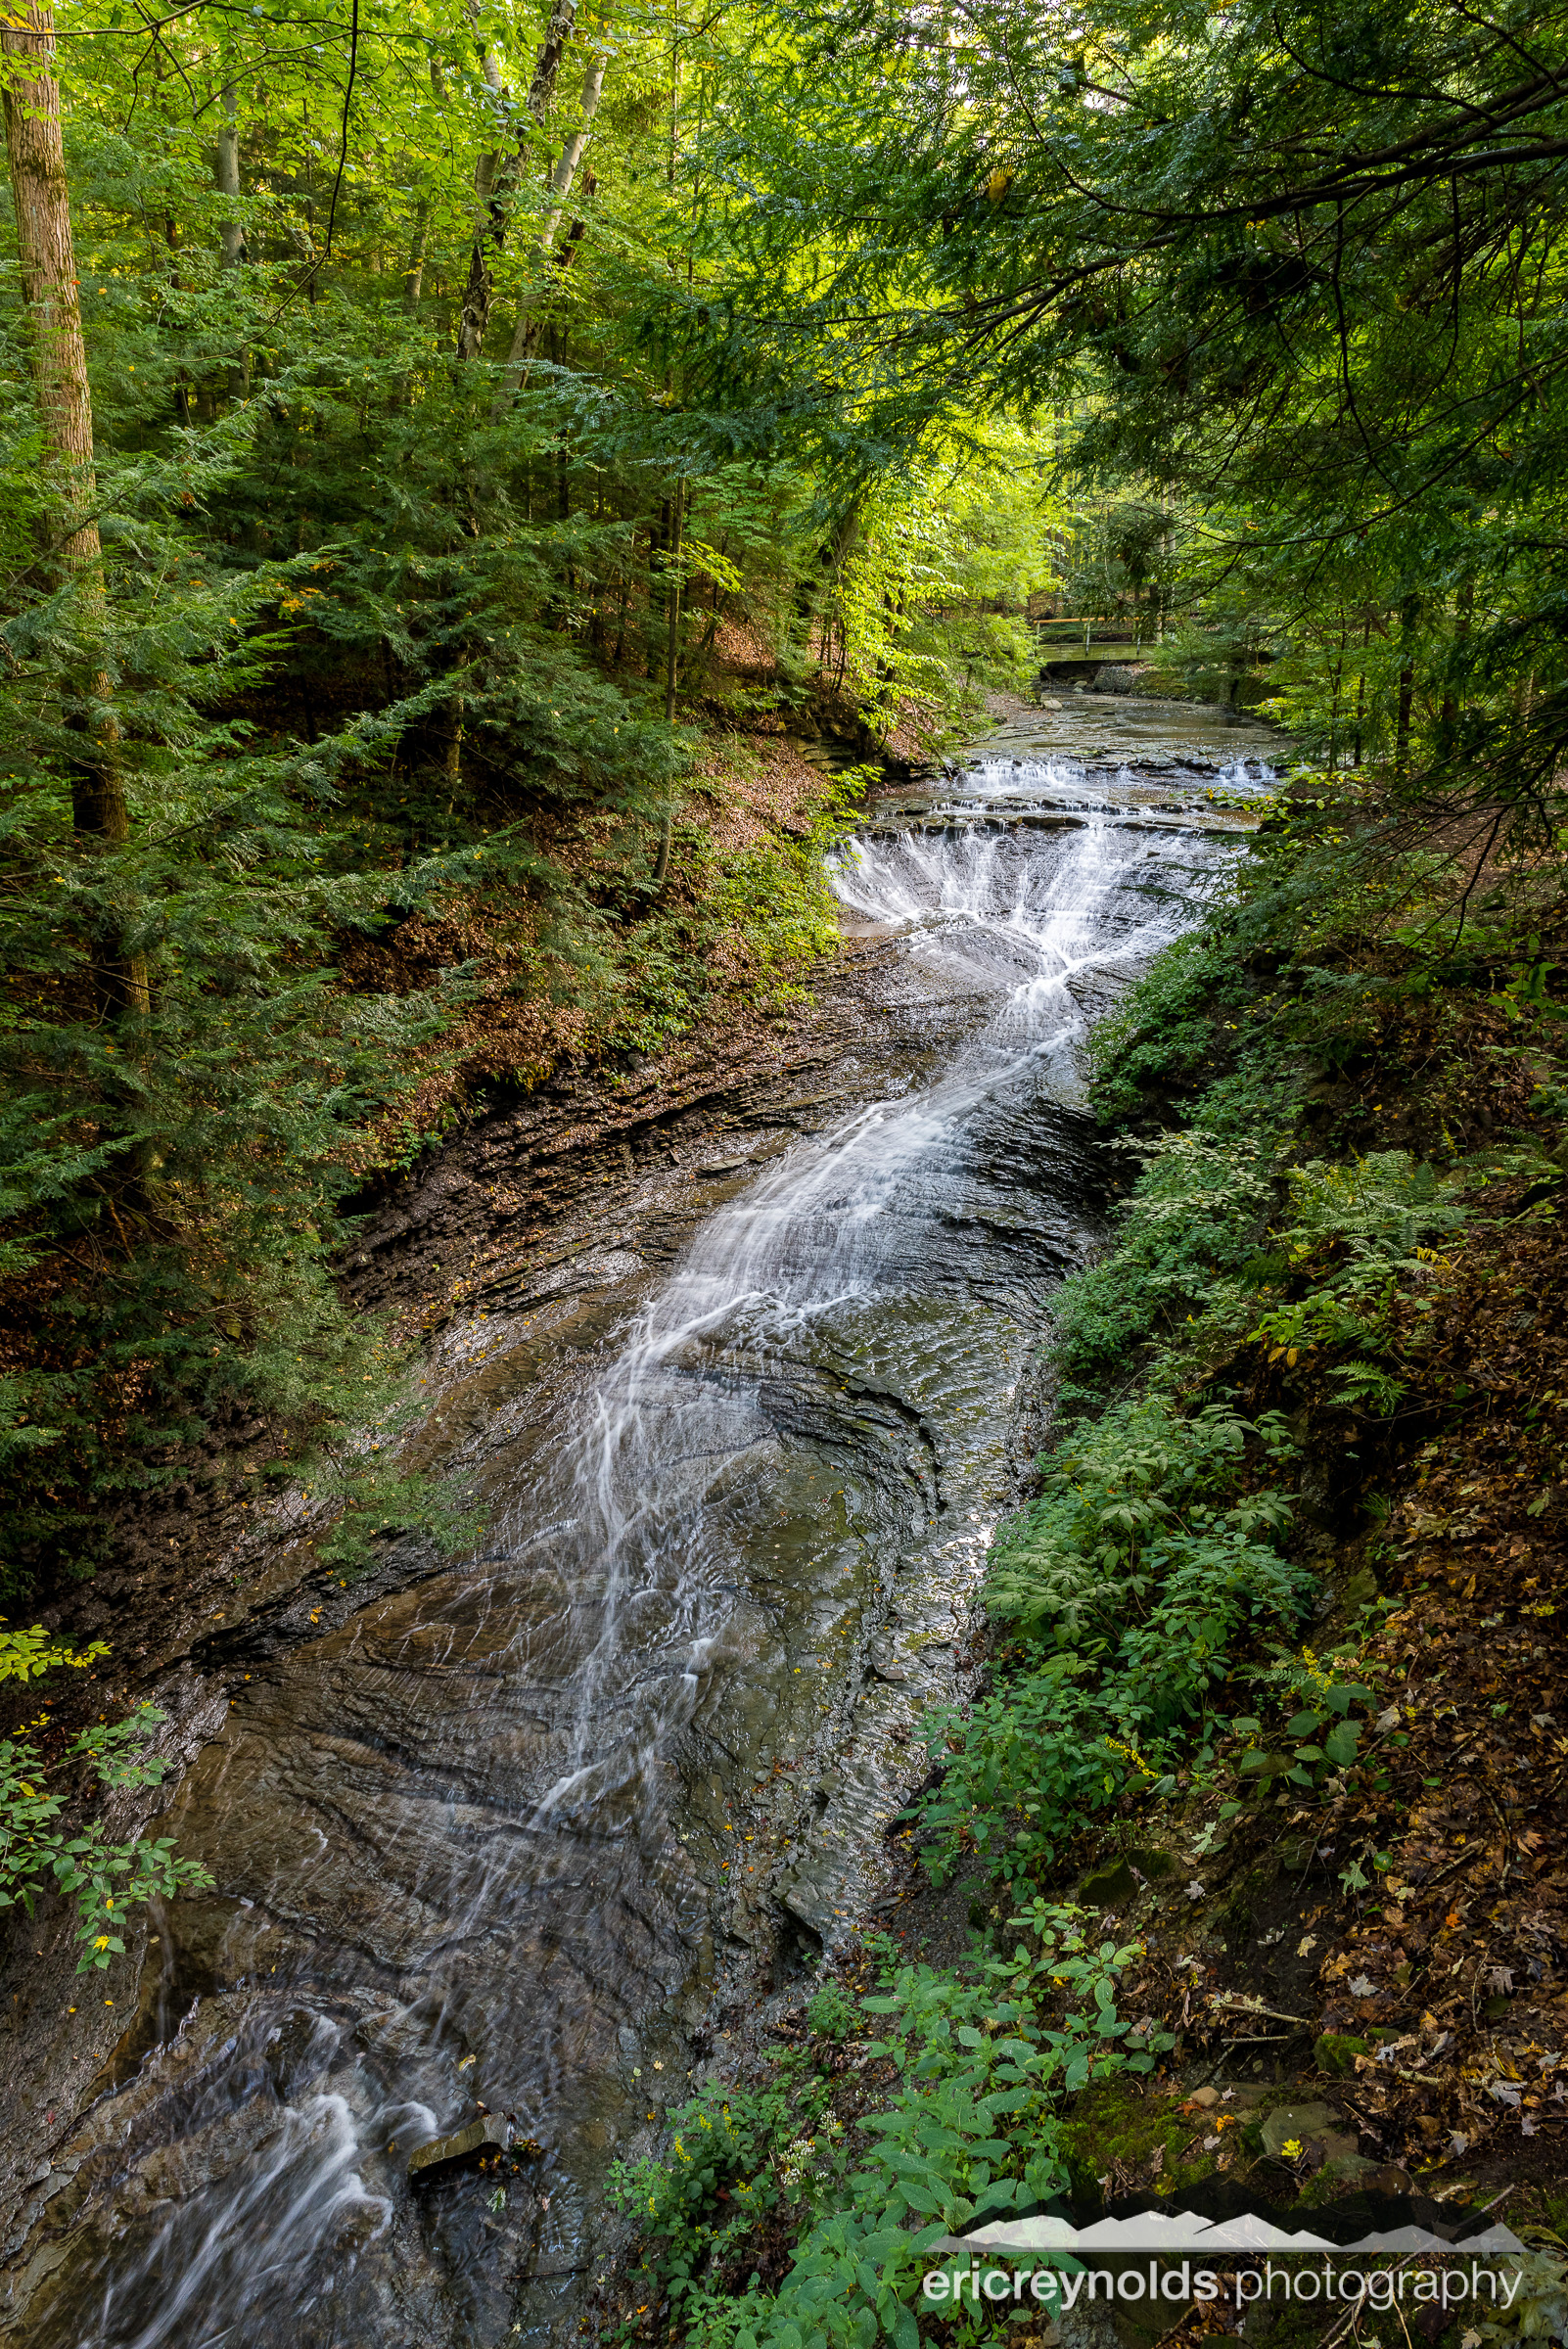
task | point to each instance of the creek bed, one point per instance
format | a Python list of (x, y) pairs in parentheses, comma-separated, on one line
[(489, 1835)]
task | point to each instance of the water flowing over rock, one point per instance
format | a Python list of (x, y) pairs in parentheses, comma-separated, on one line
[(482, 1844)]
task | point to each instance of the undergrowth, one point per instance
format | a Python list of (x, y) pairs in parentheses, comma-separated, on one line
[(967, 2131)]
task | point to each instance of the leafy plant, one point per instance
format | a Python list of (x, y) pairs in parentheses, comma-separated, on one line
[(1322, 1738), (968, 2133), (29, 1655), (1357, 1232), (105, 1879), (1181, 1245), (1127, 1584)]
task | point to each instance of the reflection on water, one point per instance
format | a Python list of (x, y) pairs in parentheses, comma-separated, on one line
[(474, 1847)]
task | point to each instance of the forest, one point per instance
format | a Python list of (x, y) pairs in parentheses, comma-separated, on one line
[(488, 492), (426, 436)]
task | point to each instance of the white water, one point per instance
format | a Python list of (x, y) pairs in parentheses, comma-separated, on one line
[(1062, 781), (812, 1244)]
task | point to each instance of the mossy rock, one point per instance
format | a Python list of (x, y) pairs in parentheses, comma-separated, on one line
[(1159, 1867), (1360, 1590), (1113, 2123), (1336, 2051), (1103, 1886)]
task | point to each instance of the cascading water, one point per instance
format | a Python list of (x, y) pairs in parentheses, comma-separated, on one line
[(473, 1848), (806, 1247)]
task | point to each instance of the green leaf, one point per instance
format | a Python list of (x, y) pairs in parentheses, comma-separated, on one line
[(1341, 1744)]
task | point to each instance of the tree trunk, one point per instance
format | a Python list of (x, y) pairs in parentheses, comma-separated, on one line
[(56, 358), (1449, 719), (414, 269), (671, 659), (226, 175), (414, 272), (182, 382), (495, 175), (657, 537), (1409, 613), (673, 631), (561, 179), (231, 233)]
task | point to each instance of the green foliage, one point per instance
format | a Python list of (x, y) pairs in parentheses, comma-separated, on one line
[(1156, 1041), (1129, 1582), (730, 2143), (1319, 1721), (1322, 413), (1540, 2309), (1361, 1230), (969, 2132), (1183, 1243), (831, 2013), (929, 607), (37, 1854), (376, 657), (29, 1655)]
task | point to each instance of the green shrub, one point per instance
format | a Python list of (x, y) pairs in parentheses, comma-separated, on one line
[(1164, 1029), (37, 1854), (969, 2132), (1183, 1242)]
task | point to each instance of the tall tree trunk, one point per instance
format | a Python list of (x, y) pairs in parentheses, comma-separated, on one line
[(561, 179), (182, 382), (1409, 613), (414, 272), (671, 659), (1361, 693), (620, 620), (414, 267), (658, 539), (1449, 719), (56, 358), (495, 175), (226, 175)]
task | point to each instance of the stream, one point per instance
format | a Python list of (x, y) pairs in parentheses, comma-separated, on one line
[(494, 1839)]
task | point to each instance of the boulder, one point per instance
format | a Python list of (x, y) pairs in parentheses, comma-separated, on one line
[(1289, 2123), (439, 2156)]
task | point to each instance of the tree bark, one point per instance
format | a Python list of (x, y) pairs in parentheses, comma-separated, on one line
[(231, 233), (414, 272), (561, 179), (495, 175), (671, 659), (182, 382), (56, 358), (226, 175), (414, 268), (1409, 613)]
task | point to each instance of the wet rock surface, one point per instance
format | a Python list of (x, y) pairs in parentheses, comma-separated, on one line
[(740, 1383)]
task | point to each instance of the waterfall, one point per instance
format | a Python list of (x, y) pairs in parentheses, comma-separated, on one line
[(468, 1848)]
